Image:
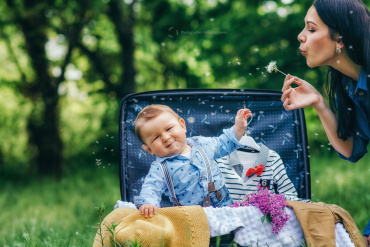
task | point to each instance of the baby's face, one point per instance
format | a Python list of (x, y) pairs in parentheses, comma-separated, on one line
[(164, 135)]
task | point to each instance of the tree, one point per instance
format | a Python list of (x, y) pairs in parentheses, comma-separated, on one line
[(33, 19)]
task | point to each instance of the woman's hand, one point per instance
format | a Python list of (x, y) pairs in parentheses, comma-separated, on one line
[(300, 97), (366, 240), (306, 95)]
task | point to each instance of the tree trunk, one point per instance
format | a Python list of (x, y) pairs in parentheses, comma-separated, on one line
[(124, 28), (44, 127)]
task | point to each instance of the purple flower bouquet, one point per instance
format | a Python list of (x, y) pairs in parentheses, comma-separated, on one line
[(271, 205)]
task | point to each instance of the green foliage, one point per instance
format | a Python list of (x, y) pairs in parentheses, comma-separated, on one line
[(186, 44)]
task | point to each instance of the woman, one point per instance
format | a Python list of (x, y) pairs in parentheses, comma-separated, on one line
[(337, 34)]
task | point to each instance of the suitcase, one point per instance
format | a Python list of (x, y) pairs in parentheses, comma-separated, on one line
[(207, 112)]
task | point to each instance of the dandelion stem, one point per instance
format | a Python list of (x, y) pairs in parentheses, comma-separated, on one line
[(280, 71)]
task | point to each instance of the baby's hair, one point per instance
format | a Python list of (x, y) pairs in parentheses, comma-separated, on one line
[(148, 113)]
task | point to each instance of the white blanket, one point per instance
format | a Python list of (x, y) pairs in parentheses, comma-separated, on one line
[(250, 231), (246, 223)]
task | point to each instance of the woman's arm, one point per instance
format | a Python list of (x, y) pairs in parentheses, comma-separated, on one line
[(306, 95)]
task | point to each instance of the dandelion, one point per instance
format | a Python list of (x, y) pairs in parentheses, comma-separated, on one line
[(272, 67)]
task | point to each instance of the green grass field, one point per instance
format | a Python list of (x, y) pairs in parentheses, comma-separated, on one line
[(50, 213)]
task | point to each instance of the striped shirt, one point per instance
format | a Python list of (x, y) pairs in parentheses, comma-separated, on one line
[(274, 173)]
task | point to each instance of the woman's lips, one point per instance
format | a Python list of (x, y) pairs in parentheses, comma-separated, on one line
[(303, 52)]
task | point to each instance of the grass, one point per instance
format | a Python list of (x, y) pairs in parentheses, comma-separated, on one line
[(51, 213), (336, 181), (62, 213)]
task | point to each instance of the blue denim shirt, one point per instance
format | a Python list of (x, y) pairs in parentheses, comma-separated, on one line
[(367, 229), (189, 176), (358, 93)]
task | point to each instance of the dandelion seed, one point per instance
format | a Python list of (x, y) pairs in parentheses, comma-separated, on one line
[(191, 120)]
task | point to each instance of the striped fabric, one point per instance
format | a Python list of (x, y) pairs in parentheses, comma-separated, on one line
[(274, 173)]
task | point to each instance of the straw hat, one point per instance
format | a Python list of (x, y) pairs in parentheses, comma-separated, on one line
[(173, 227)]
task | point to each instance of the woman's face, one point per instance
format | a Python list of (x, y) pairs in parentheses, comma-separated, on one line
[(316, 43)]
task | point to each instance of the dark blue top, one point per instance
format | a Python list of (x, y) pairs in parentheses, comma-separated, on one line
[(367, 229), (358, 93)]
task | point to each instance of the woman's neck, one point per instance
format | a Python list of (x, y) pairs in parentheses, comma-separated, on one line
[(346, 66)]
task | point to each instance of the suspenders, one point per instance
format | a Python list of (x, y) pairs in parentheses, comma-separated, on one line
[(211, 185), (169, 183)]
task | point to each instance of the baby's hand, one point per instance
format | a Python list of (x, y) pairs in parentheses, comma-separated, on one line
[(148, 209), (241, 122), (241, 119)]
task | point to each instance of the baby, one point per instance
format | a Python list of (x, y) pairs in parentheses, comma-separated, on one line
[(184, 169)]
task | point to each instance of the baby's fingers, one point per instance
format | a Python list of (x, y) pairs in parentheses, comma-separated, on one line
[(144, 210), (247, 115), (152, 210)]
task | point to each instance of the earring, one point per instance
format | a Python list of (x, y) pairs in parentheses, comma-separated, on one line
[(338, 50)]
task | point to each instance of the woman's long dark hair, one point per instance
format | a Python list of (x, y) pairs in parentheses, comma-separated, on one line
[(351, 19)]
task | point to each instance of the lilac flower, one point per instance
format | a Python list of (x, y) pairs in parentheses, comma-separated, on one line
[(271, 205)]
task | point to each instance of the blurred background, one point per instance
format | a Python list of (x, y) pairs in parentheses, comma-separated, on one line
[(66, 65)]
